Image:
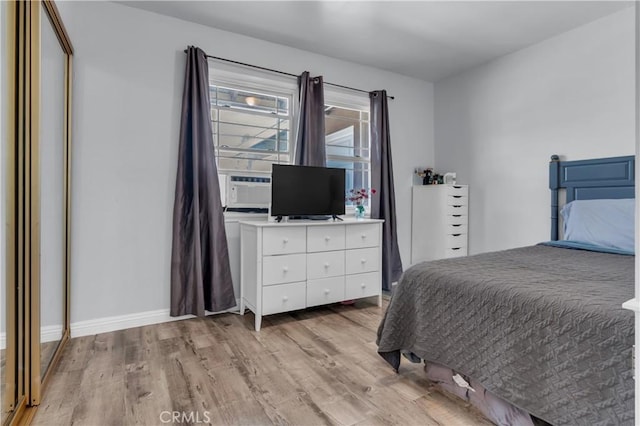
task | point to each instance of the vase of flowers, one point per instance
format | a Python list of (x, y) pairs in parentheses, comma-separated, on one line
[(358, 197)]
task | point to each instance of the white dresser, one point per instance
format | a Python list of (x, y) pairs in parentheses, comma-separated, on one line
[(439, 222), (293, 265)]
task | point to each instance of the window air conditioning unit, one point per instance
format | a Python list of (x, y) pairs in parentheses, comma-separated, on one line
[(248, 192)]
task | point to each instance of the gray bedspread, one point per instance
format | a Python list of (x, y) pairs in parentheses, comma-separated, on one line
[(541, 327)]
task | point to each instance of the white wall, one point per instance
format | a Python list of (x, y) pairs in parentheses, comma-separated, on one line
[(497, 125), (128, 78)]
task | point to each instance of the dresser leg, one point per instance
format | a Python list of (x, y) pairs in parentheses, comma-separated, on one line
[(241, 306), (258, 322), (380, 300)]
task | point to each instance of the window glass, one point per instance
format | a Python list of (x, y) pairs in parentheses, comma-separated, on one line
[(251, 130), (347, 143)]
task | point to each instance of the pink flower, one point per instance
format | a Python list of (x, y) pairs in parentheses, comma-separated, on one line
[(359, 195)]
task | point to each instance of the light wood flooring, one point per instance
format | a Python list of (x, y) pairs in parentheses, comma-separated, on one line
[(317, 366), (47, 351)]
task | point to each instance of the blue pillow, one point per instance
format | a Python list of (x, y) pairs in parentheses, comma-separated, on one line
[(606, 223)]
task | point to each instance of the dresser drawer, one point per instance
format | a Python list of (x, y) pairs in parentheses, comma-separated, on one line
[(461, 210), (284, 297), (456, 240), (457, 200), (362, 285), (457, 219), (460, 228), (327, 290), (460, 190), (325, 238), (362, 260), (455, 252), (365, 235), (284, 240), (325, 264), (284, 269)]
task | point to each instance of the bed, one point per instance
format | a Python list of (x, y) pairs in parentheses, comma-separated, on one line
[(539, 327)]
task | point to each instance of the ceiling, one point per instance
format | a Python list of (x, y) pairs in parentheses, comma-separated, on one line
[(428, 40)]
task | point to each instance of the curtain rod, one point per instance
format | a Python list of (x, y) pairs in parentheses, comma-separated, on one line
[(284, 73)]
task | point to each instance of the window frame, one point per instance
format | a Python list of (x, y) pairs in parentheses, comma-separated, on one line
[(242, 78), (349, 100), (231, 76)]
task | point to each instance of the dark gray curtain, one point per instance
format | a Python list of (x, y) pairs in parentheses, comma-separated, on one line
[(200, 270), (310, 149), (383, 203)]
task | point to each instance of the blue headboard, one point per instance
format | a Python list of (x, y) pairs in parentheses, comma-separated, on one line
[(598, 178)]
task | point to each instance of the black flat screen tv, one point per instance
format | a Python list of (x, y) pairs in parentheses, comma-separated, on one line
[(305, 191)]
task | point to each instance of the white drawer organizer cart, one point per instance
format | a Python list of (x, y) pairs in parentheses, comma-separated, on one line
[(439, 222), (294, 265)]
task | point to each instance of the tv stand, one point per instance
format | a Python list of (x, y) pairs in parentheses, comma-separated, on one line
[(338, 218), (298, 264)]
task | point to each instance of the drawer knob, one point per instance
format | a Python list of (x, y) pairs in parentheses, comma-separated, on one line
[(327, 238), (285, 269), (326, 265), (285, 240), (456, 235), (363, 260), (363, 285), (327, 291), (285, 298)]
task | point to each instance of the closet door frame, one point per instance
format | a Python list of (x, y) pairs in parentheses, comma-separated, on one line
[(39, 12), (16, 351), (24, 381)]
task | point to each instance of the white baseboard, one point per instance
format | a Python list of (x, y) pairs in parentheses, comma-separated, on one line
[(121, 322), (105, 325), (49, 333)]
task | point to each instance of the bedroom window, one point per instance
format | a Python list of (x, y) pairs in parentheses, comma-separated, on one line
[(251, 128), (347, 143), (253, 120)]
